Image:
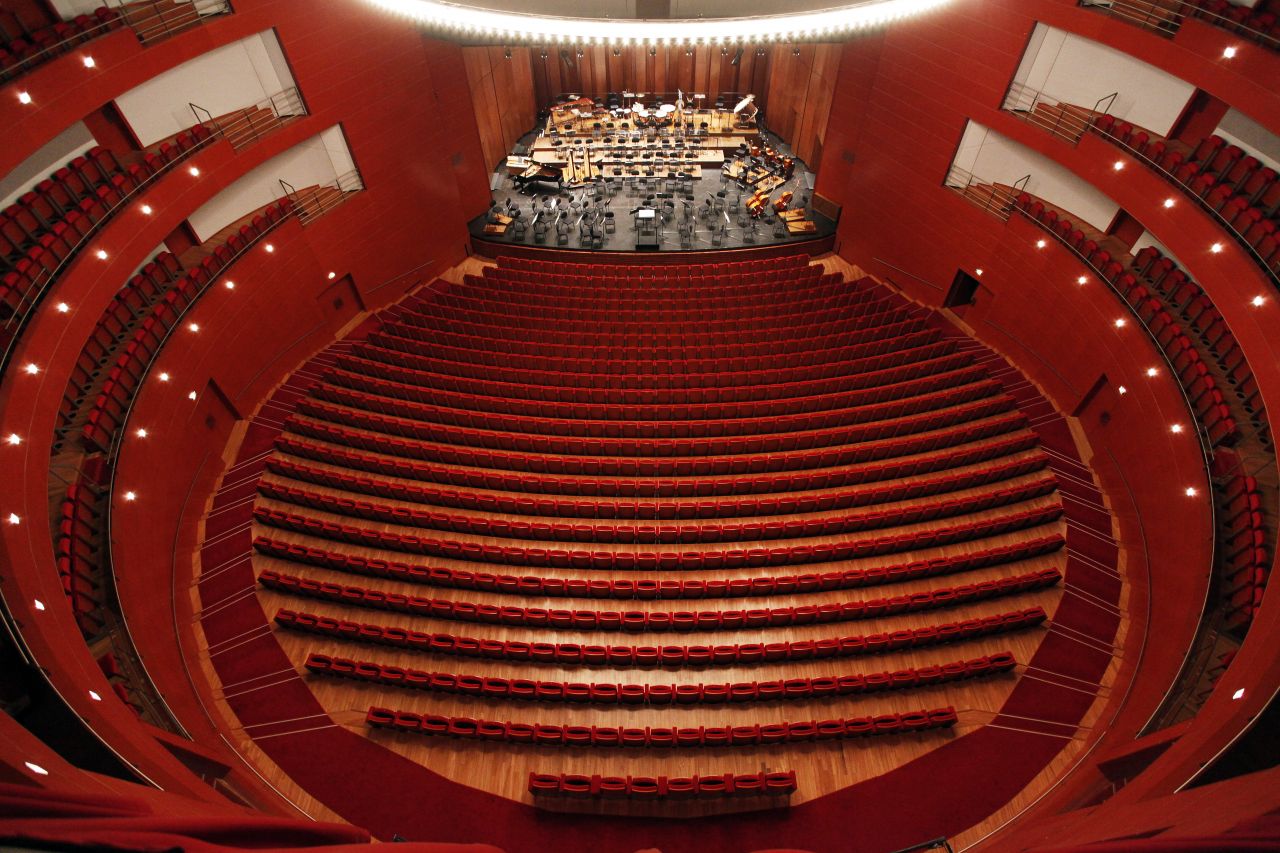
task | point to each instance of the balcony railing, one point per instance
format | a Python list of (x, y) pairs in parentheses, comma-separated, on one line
[(1167, 17), (246, 126), (314, 202), (997, 199), (1065, 121), (25, 52), (155, 20)]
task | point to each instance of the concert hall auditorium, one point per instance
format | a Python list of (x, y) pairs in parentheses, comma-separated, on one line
[(639, 426)]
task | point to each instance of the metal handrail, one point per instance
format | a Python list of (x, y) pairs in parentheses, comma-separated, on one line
[(309, 209), (1164, 18), (999, 201), (32, 296), (162, 27), (242, 131), (1022, 100)]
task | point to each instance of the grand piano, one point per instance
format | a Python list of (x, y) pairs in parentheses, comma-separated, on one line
[(525, 171)]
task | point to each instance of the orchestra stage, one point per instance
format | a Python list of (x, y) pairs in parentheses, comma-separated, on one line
[(706, 181)]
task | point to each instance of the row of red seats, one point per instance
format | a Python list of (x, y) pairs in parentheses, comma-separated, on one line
[(849, 549), (660, 737), (1245, 557), (677, 284), (621, 389), (773, 784), (647, 510), (1244, 192), (643, 347), (909, 435), (613, 693), (666, 534), (1207, 401), (948, 453), (900, 346), (844, 419), (633, 271), (1258, 22), (623, 312), (655, 588), (131, 304), (78, 555), (668, 656), (110, 407), (926, 356), (1211, 409), (728, 291), (503, 292), (658, 620), (1189, 300), (19, 55), (535, 336), (681, 414)]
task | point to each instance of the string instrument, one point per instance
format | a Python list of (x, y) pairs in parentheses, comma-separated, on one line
[(782, 201), (757, 203), (580, 169)]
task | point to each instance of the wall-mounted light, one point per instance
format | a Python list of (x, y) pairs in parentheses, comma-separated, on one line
[(1151, 371), (229, 284), (332, 276), (31, 368), (130, 496), (1168, 203), (146, 209), (14, 439), (1216, 248), (194, 171), (1040, 244), (24, 97), (192, 395), (1121, 322), (14, 518), (37, 604), (1084, 279), (1191, 492), (36, 768), (1118, 165), (1121, 390), (163, 377), (1175, 428), (1257, 301), (141, 432), (1229, 52), (102, 254), (269, 247), (62, 308), (88, 62)]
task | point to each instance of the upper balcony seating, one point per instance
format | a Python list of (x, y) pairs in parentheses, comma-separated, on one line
[(1246, 559), (22, 51)]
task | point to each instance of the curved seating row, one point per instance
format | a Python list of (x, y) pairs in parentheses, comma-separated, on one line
[(661, 620), (611, 388), (784, 504), (732, 293), (613, 693), (1246, 558), (875, 441), (906, 364), (137, 350), (649, 560), (664, 534), (643, 271), (667, 656), (959, 450), (659, 588), (660, 737), (901, 343), (20, 54), (676, 788)]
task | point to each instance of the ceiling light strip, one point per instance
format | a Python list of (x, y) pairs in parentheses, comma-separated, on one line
[(487, 24)]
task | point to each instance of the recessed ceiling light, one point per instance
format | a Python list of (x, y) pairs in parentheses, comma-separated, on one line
[(163, 377), (978, 271), (334, 275), (93, 694)]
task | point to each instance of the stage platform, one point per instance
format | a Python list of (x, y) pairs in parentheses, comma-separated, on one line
[(714, 233)]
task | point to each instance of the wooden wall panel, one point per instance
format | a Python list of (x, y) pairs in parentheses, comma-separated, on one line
[(503, 95)]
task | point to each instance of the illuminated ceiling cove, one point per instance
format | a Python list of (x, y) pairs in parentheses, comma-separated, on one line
[(491, 25)]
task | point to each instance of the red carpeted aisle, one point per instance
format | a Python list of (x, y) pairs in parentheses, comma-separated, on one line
[(943, 792)]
